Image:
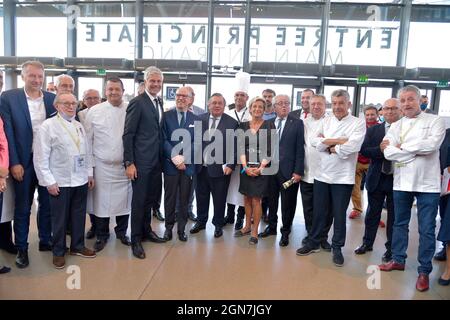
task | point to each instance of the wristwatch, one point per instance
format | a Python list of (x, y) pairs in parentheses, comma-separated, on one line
[(127, 163)]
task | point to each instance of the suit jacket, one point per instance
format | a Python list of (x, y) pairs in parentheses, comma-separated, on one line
[(291, 148), (371, 149), (444, 155), (170, 124), (142, 133), (17, 120), (296, 113), (226, 122)]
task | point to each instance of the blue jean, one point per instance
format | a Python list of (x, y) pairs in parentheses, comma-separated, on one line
[(427, 205)]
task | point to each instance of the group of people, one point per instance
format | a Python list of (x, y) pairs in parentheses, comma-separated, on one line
[(113, 158)]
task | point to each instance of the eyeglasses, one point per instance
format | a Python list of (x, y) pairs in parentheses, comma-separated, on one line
[(183, 96), (69, 104), (283, 103), (390, 108), (92, 98)]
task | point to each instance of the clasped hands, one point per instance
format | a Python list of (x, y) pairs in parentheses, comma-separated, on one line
[(178, 161)]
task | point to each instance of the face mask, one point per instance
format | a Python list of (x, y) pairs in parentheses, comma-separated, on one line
[(381, 118), (423, 106), (66, 117)]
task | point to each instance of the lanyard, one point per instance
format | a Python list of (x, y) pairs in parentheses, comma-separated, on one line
[(403, 136), (76, 140), (237, 116)]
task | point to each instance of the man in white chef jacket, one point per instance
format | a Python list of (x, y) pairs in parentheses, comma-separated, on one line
[(112, 195), (412, 144), (317, 105), (241, 114), (61, 164), (339, 139)]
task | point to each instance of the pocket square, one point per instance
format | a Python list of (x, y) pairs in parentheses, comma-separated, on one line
[(191, 126)]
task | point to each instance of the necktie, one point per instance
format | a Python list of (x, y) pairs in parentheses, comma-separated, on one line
[(182, 121), (156, 108), (306, 114), (280, 121), (213, 125)]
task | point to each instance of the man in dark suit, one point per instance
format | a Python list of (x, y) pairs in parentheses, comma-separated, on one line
[(23, 111), (214, 173), (178, 164), (304, 111), (379, 181), (291, 156), (142, 157)]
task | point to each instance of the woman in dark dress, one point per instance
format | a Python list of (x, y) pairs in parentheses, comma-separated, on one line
[(444, 236), (255, 156), (4, 164)]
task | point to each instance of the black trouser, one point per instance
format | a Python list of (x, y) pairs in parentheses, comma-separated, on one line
[(265, 205), (145, 191), (373, 216), (288, 203), (179, 184), (157, 204), (334, 197), (307, 191), (443, 202), (217, 187), (102, 224), (93, 224), (69, 204), (231, 211), (6, 234)]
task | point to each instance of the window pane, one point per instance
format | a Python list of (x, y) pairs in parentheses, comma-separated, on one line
[(106, 30), (363, 34), (422, 50), (285, 33), (36, 26)]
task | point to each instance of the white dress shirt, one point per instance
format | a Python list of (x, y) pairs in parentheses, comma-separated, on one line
[(280, 130), (37, 113), (339, 167), (312, 156), (240, 116), (56, 151), (416, 162)]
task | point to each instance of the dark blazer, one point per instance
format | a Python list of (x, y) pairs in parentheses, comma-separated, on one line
[(291, 147), (170, 124), (226, 122), (142, 134), (16, 117), (444, 155), (371, 149)]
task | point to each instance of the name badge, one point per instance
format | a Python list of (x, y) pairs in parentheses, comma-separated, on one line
[(79, 163)]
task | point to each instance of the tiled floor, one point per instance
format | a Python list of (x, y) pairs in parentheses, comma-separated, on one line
[(224, 268)]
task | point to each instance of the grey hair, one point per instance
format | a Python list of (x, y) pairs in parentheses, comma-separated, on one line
[(58, 98), (277, 97), (341, 93), (59, 78), (36, 64), (153, 70), (409, 88), (87, 91), (321, 96)]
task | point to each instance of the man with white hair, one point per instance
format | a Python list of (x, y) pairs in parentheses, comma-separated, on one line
[(413, 143), (142, 157), (64, 84)]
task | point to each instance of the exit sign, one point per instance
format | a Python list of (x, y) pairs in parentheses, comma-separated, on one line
[(362, 79), (442, 84), (101, 72)]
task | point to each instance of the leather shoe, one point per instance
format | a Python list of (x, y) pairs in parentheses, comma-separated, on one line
[(153, 237), (4, 269), (158, 215), (99, 245), (182, 236), (441, 255), (22, 259), (239, 223), (392, 265), (192, 216), (125, 240), (253, 240), (443, 282), (90, 234), (197, 227), (218, 232), (138, 251), (362, 249), (45, 246), (423, 282), (9, 247), (267, 232), (387, 256), (284, 242), (167, 235)]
